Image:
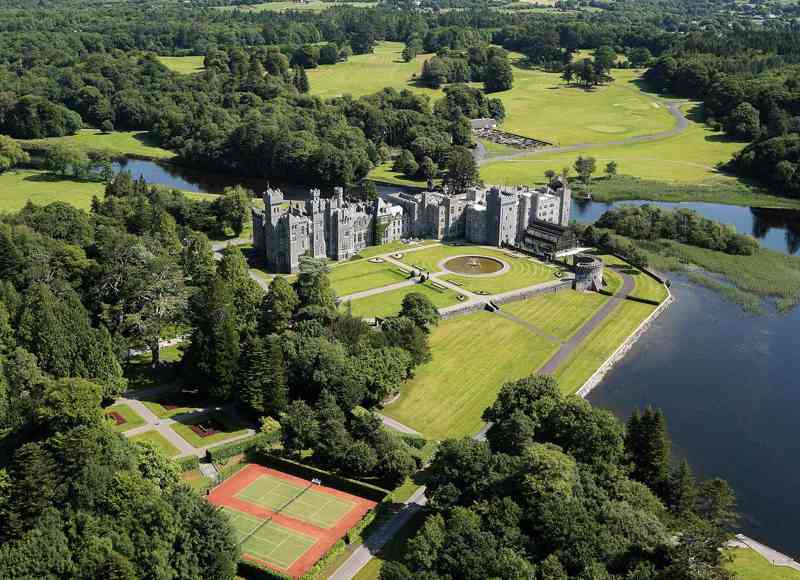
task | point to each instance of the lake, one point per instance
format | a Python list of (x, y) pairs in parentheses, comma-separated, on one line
[(729, 384)]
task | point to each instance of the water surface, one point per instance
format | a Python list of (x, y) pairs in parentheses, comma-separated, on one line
[(729, 384)]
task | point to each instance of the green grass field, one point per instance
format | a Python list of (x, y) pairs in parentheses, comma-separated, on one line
[(117, 142), (304, 503), (539, 105), (167, 408), (647, 287), (389, 303), (228, 430), (352, 277), (184, 65), (310, 6), (523, 272), (601, 344), (750, 565), (613, 280), (561, 313), (158, 440), (398, 246), (690, 156), (41, 188), (272, 543), (473, 356), (132, 418)]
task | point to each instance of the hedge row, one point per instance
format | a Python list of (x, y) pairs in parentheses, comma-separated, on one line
[(359, 488), (222, 452)]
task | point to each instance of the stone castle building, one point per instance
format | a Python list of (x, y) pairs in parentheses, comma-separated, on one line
[(337, 228)]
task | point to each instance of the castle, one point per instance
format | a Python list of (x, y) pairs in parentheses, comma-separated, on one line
[(338, 228)]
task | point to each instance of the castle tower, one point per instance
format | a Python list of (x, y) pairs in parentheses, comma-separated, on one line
[(501, 219), (565, 195), (316, 230)]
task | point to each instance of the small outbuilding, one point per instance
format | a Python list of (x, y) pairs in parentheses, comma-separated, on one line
[(483, 123)]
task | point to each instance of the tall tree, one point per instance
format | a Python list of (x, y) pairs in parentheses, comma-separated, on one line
[(421, 310), (11, 154), (462, 172), (278, 307), (498, 76), (648, 447)]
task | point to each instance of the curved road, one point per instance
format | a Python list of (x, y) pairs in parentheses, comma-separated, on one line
[(674, 109)]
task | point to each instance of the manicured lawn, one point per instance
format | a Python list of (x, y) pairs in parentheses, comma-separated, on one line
[(197, 481), (184, 65), (227, 429), (389, 303), (117, 142), (132, 418), (613, 280), (159, 441), (690, 156), (385, 174), (398, 246), (348, 278), (165, 408), (41, 188), (473, 356), (750, 565), (311, 6), (561, 314), (523, 272), (648, 288), (601, 344)]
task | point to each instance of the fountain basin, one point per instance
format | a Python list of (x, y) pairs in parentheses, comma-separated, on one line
[(474, 265)]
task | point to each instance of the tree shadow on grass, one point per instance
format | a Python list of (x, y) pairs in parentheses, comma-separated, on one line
[(55, 178), (147, 139)]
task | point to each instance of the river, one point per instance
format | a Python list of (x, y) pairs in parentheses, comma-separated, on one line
[(729, 383)]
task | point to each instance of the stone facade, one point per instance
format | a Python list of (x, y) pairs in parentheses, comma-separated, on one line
[(337, 228), (588, 273)]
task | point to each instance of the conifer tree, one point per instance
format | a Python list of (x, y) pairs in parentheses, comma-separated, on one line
[(214, 350), (300, 80), (254, 369), (276, 393), (648, 446), (278, 307), (682, 489)]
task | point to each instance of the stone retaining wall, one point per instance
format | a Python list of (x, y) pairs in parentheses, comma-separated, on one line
[(598, 375)]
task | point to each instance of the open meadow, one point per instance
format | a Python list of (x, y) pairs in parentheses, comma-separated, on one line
[(135, 143), (184, 65), (20, 185)]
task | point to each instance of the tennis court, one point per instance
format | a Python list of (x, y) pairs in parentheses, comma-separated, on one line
[(270, 542), (298, 501), (285, 522)]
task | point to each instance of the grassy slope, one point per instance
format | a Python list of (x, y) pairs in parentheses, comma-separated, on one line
[(364, 275), (389, 303), (119, 142), (183, 64), (600, 344), (749, 565), (41, 188), (473, 356), (560, 314), (159, 440)]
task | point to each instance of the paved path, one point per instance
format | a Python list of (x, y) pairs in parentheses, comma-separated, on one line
[(397, 425), (568, 347), (674, 109), (163, 426), (774, 557), (379, 290)]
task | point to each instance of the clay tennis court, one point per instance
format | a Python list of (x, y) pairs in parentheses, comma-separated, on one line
[(286, 522)]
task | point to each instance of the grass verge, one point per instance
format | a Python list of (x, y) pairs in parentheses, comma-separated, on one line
[(159, 441), (132, 418), (750, 565), (223, 425)]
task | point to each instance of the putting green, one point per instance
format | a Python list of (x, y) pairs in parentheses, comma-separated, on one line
[(271, 543), (304, 503)]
